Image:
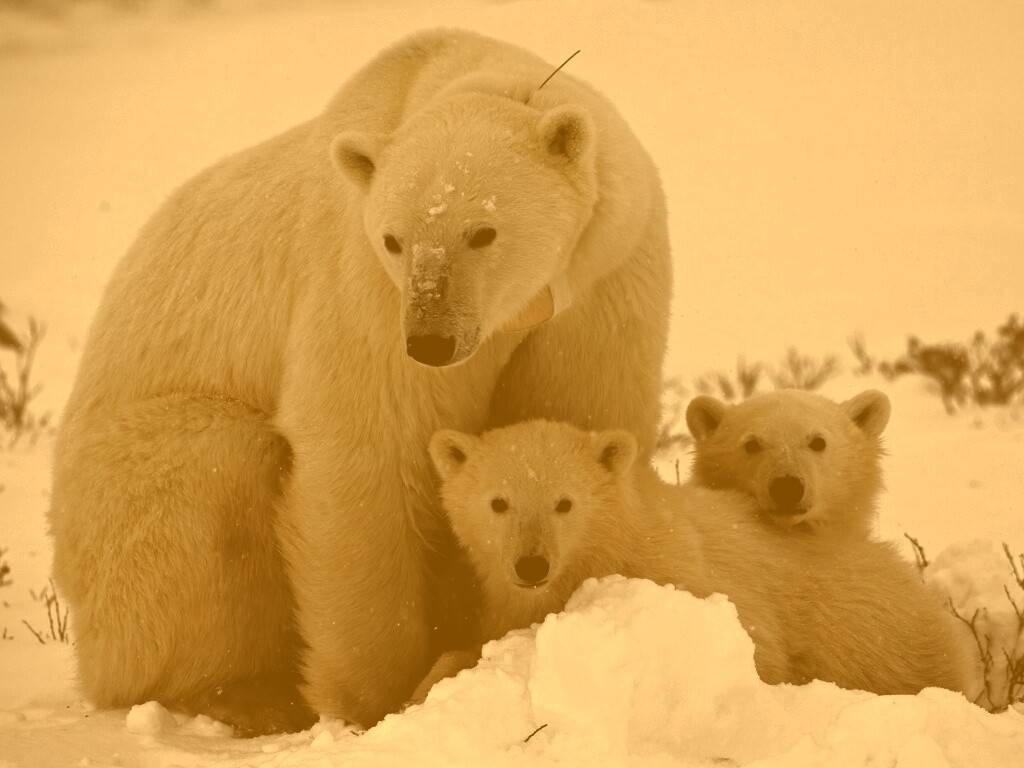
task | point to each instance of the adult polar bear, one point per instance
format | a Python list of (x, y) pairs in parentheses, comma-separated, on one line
[(242, 492)]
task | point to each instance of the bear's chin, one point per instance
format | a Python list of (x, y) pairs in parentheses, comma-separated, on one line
[(789, 517), (539, 586)]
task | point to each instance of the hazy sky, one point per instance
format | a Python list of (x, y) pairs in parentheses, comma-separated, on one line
[(828, 166)]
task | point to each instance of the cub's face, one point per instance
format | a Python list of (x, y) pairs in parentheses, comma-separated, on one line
[(527, 501), (473, 206), (805, 459)]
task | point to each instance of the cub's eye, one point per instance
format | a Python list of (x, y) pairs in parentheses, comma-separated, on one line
[(391, 244), (499, 505), (751, 445), (563, 506), (818, 444), (482, 237)]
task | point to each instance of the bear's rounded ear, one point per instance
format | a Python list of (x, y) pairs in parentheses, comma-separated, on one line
[(703, 415), (615, 450), (567, 132), (449, 450), (869, 410), (355, 154)]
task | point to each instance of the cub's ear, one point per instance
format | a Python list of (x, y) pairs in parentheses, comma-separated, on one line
[(703, 415), (869, 410), (615, 450), (567, 132), (356, 153), (449, 450)]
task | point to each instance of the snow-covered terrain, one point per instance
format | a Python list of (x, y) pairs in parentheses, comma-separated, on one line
[(828, 168)]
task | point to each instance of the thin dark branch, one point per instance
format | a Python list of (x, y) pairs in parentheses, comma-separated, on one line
[(557, 70), (39, 637), (984, 650), (1018, 576), (919, 555), (535, 732)]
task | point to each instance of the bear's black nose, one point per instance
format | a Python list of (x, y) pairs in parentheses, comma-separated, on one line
[(786, 491), (532, 569), (430, 349)]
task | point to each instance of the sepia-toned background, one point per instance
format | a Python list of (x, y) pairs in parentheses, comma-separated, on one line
[(830, 167)]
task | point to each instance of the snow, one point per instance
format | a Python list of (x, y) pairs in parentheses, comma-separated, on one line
[(976, 577), (818, 182)]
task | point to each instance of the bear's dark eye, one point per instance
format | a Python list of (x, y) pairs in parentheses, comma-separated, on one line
[(482, 237), (563, 506), (818, 444), (751, 445), (498, 504), (391, 244)]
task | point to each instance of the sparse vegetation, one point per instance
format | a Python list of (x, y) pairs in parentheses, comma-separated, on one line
[(982, 371), (17, 389), (56, 617), (985, 371), (799, 371), (795, 370), (5, 570), (1003, 664)]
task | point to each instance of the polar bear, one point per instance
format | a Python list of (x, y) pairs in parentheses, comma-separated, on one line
[(808, 462), (244, 518), (539, 507)]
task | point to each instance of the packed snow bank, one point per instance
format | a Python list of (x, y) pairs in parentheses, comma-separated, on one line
[(634, 673), (631, 673)]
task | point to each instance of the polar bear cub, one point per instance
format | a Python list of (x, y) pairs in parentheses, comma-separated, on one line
[(807, 461), (541, 506)]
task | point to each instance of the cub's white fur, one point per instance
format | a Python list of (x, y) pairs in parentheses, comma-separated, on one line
[(808, 462), (856, 615)]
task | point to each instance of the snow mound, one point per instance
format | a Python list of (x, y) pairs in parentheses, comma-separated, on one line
[(977, 578), (632, 673)]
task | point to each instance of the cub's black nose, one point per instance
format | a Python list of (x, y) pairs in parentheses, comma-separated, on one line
[(431, 349), (532, 569), (786, 491)]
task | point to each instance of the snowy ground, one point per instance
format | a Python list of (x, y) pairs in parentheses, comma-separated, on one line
[(825, 172)]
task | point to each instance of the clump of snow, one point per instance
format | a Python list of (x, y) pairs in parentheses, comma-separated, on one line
[(489, 205), (153, 719), (977, 578), (150, 718)]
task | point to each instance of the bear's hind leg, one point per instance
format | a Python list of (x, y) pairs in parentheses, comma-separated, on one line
[(164, 544)]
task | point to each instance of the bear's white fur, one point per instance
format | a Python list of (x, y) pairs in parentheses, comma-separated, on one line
[(807, 461), (241, 497), (858, 615)]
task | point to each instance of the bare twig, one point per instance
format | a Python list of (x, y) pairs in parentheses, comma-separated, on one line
[(535, 732), (53, 602), (984, 649), (677, 473), (39, 637), (919, 556), (1015, 678), (1018, 576), (5, 570)]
